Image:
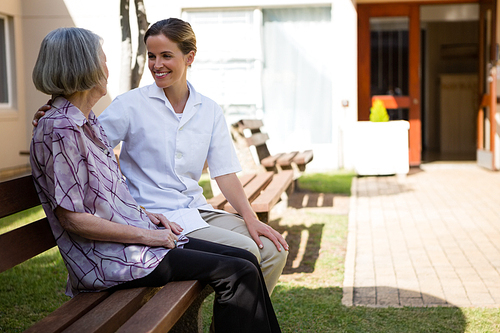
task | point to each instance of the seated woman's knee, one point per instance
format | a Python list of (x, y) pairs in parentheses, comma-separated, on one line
[(249, 256), (246, 266), (252, 247), (272, 252)]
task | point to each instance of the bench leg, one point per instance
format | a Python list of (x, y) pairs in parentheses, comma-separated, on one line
[(263, 217), (294, 185), (191, 320)]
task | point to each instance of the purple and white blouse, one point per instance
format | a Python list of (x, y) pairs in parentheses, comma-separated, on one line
[(74, 167)]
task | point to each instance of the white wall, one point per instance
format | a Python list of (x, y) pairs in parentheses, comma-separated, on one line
[(345, 84), (35, 19), (343, 36)]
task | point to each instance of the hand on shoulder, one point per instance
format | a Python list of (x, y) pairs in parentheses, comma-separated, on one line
[(41, 112)]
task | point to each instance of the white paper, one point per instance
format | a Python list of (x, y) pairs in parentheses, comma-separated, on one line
[(188, 218)]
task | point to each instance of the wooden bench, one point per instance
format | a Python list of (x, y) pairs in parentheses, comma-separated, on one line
[(283, 161), (175, 307), (263, 190)]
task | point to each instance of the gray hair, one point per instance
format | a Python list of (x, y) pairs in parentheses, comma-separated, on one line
[(69, 61)]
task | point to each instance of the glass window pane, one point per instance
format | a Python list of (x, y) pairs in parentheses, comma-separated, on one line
[(297, 89), (389, 56), (4, 89), (234, 64)]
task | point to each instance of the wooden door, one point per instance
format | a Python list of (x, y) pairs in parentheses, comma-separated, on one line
[(488, 58), (390, 74)]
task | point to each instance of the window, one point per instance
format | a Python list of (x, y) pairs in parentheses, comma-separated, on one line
[(297, 76), (5, 66), (228, 63), (263, 63)]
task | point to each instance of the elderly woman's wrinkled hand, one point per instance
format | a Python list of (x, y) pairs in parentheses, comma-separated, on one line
[(163, 237)]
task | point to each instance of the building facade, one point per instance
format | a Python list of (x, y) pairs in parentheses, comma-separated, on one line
[(308, 68)]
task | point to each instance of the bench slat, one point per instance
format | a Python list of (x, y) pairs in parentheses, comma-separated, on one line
[(112, 312), (257, 139), (14, 249), (303, 158), (245, 179), (17, 195), (271, 195), (285, 160), (253, 189), (164, 309), (68, 313), (250, 123), (219, 201), (270, 161)]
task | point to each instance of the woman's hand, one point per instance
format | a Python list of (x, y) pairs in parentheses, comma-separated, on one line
[(257, 228), (160, 219), (41, 112), (162, 237), (95, 228), (235, 195)]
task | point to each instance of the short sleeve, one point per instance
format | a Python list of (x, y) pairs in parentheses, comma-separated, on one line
[(115, 121), (222, 158), (62, 174)]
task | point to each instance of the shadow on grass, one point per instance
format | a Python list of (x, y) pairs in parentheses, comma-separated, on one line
[(304, 242), (302, 309), (305, 199)]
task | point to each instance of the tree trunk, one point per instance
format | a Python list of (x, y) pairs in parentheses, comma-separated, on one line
[(126, 47), (140, 60), (131, 76)]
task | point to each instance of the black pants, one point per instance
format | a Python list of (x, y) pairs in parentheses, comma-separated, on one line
[(242, 303)]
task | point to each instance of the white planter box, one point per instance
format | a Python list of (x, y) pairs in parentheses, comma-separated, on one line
[(381, 148)]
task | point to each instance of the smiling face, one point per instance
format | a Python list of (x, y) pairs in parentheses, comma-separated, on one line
[(167, 63)]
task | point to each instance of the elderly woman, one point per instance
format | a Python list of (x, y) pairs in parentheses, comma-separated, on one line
[(106, 239)]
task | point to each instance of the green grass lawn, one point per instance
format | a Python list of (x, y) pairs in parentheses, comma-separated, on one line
[(338, 182), (307, 298)]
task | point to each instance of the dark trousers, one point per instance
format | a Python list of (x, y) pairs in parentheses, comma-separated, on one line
[(241, 304)]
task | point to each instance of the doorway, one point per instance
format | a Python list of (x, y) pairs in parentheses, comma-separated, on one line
[(389, 65), (450, 62), (433, 73)]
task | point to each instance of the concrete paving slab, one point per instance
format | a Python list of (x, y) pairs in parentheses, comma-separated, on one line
[(431, 238)]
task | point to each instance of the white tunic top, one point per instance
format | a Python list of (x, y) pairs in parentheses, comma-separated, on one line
[(163, 156)]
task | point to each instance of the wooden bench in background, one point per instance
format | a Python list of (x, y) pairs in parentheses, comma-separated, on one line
[(263, 190), (174, 308), (277, 162)]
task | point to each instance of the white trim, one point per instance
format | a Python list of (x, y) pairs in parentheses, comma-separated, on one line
[(8, 63)]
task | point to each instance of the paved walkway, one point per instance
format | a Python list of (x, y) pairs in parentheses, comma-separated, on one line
[(431, 238)]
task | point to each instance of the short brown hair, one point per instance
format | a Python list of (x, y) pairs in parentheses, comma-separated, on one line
[(177, 30)]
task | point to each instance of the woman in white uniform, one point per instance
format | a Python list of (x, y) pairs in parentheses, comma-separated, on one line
[(168, 131)]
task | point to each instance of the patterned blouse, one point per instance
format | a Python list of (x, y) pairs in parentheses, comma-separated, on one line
[(74, 167)]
